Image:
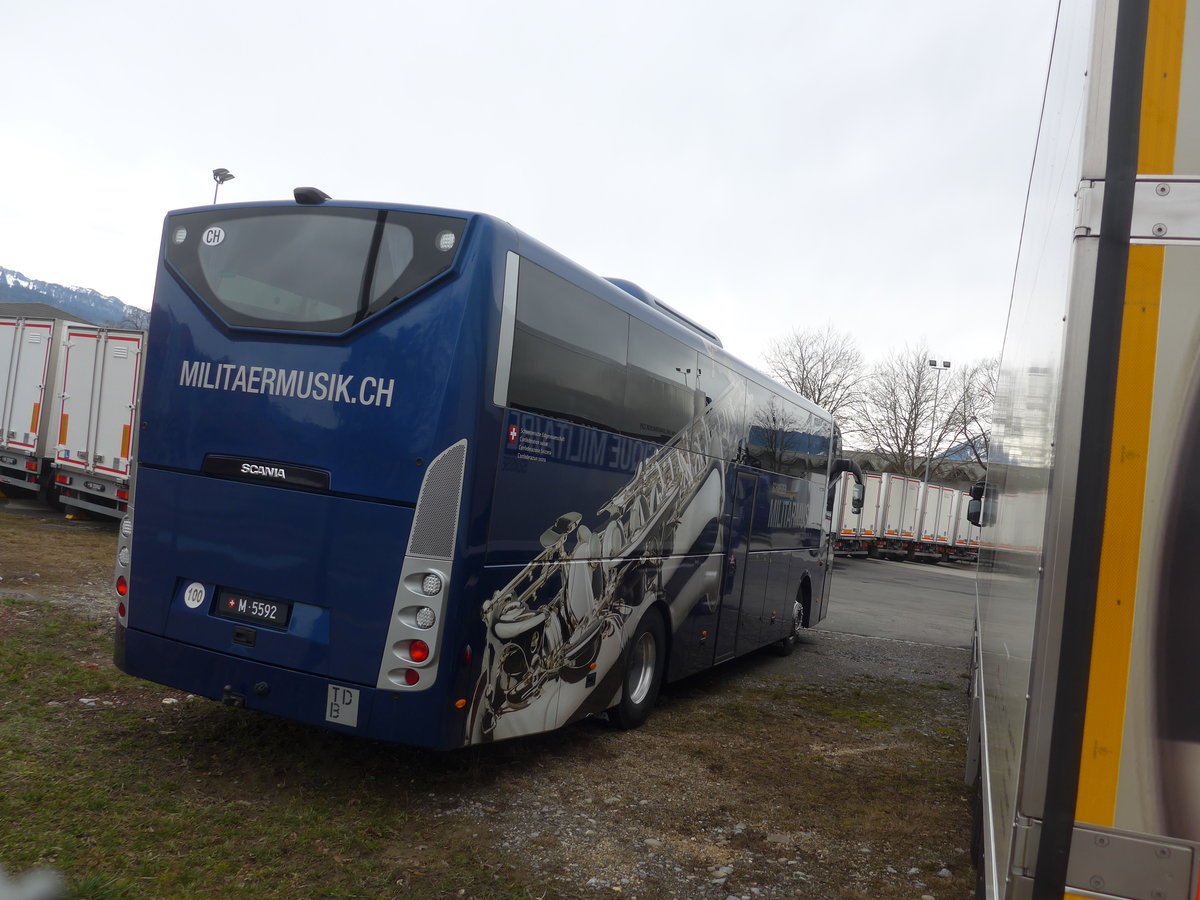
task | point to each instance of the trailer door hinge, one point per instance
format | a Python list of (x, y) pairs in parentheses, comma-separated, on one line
[(1025, 844), (1089, 203)]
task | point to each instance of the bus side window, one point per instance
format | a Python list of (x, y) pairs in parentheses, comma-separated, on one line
[(661, 382), (569, 351)]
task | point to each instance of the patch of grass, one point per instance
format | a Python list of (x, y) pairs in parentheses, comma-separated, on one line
[(133, 798)]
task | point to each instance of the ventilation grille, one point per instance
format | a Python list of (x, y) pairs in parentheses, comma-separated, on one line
[(435, 524)]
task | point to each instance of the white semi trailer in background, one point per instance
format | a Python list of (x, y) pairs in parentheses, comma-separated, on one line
[(1085, 738), (945, 535), (99, 377), (68, 395), (30, 406)]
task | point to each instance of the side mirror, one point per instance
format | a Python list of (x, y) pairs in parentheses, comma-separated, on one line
[(835, 471), (981, 508), (856, 498)]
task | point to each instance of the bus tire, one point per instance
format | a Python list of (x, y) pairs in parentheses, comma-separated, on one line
[(644, 664), (787, 646)]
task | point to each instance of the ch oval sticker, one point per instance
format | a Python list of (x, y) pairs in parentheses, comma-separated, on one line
[(193, 595), (213, 236)]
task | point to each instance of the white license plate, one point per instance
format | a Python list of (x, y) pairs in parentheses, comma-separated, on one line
[(341, 705)]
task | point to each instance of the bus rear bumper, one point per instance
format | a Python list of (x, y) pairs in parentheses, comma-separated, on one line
[(312, 699)]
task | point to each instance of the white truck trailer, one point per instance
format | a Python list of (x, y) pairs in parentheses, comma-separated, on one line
[(900, 502), (846, 532), (30, 405), (1085, 738), (99, 375), (937, 516)]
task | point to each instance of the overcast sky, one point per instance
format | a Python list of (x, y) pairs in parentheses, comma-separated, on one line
[(761, 167)]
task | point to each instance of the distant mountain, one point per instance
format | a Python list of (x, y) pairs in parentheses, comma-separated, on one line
[(85, 303)]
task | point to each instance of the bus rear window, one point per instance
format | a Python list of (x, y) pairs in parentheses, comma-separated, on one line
[(320, 270)]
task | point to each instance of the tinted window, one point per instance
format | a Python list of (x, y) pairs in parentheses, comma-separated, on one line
[(724, 398), (662, 389), (308, 269), (569, 351)]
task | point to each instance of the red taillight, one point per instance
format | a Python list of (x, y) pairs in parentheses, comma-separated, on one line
[(411, 677), (121, 611), (62, 479), (122, 494), (418, 651), (31, 466), (122, 585)]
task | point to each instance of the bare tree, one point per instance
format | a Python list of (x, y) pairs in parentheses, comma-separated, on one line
[(972, 393), (907, 416), (823, 365)]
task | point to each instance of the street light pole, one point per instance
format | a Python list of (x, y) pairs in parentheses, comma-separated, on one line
[(937, 379), (220, 176)]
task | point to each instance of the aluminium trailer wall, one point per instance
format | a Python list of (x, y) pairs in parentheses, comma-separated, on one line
[(30, 401), (1087, 726), (100, 372)]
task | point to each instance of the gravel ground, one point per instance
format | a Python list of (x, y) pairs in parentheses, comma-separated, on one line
[(832, 773)]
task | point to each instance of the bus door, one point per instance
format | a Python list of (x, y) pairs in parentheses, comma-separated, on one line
[(741, 513)]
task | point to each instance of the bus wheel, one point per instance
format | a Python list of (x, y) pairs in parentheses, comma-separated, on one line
[(643, 672), (786, 646)]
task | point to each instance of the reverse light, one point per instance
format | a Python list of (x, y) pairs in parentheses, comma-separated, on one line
[(431, 585), (123, 557), (426, 617), (126, 527), (418, 651)]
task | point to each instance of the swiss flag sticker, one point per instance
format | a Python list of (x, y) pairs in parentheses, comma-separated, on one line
[(513, 432)]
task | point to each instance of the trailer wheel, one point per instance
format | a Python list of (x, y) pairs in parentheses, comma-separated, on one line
[(644, 663)]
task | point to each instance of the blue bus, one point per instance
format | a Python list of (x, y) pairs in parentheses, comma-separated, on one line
[(407, 473)]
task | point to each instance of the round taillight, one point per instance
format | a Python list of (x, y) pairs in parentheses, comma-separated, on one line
[(121, 611), (418, 651), (411, 676), (122, 585)]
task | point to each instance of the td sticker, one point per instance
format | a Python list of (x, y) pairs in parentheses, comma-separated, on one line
[(193, 595), (213, 236)]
